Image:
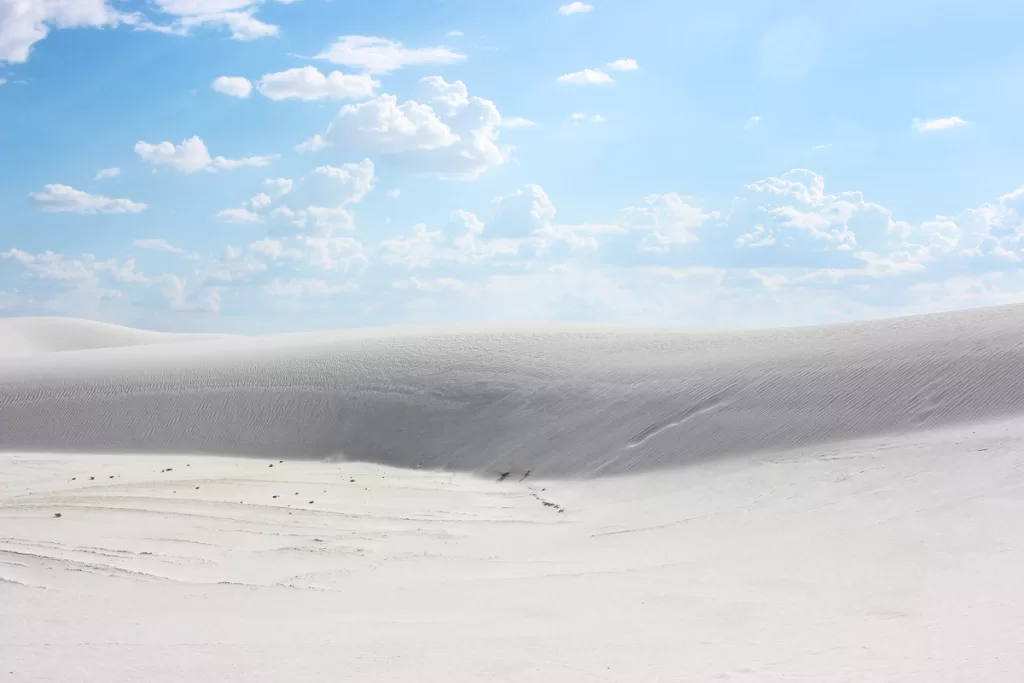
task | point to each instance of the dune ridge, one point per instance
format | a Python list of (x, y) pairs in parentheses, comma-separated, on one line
[(555, 400)]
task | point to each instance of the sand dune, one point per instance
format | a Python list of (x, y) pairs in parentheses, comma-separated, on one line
[(23, 336), (867, 525), (882, 560), (554, 400)]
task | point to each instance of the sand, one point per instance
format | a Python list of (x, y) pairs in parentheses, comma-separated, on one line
[(820, 504)]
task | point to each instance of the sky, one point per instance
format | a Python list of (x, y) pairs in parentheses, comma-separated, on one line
[(260, 166)]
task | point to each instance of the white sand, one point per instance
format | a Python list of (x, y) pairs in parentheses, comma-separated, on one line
[(868, 526)]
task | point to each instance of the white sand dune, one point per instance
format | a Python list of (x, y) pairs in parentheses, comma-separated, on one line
[(23, 336), (557, 401), (868, 524)]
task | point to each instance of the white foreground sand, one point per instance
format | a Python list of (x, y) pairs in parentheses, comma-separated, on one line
[(867, 525)]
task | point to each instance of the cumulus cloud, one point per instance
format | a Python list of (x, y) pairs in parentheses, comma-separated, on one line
[(799, 204), (380, 55), (586, 77), (935, 125), (314, 143), (752, 122), (49, 265), (235, 86), (622, 65), (429, 284), (307, 287), (515, 122), (759, 236), (23, 23), (522, 224), (192, 156), (165, 246), (318, 204), (670, 221), (181, 297), (237, 16), (65, 199), (108, 173), (279, 186), (575, 8), (238, 216), (307, 83), (355, 179), (447, 132)]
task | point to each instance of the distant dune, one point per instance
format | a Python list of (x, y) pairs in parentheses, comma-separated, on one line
[(559, 401)]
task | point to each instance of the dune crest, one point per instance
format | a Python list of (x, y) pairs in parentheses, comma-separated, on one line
[(25, 336), (559, 401)]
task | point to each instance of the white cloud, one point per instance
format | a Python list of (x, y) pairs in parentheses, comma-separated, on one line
[(671, 220), (357, 176), (238, 216), (342, 254), (326, 219), (64, 199), (797, 201), (236, 266), (522, 224), (108, 173), (597, 118), (279, 186), (181, 298), (307, 288), (380, 55), (23, 23), (231, 164), (623, 65), (237, 16), (260, 201), (934, 125), (752, 122), (394, 194), (273, 249), (49, 265), (578, 116), (449, 134), (2, 81), (575, 8), (430, 284), (192, 156), (815, 148), (586, 77), (307, 83), (165, 246), (758, 237), (454, 34), (188, 157), (235, 86), (515, 122), (313, 144)]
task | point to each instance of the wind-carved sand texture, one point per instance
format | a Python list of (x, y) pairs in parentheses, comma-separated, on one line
[(825, 504), (559, 401)]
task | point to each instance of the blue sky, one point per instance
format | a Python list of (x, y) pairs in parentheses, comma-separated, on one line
[(269, 166)]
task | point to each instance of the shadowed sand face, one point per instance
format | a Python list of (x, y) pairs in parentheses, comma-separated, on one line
[(559, 401)]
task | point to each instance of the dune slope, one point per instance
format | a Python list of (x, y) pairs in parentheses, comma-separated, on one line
[(554, 400), (23, 336)]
